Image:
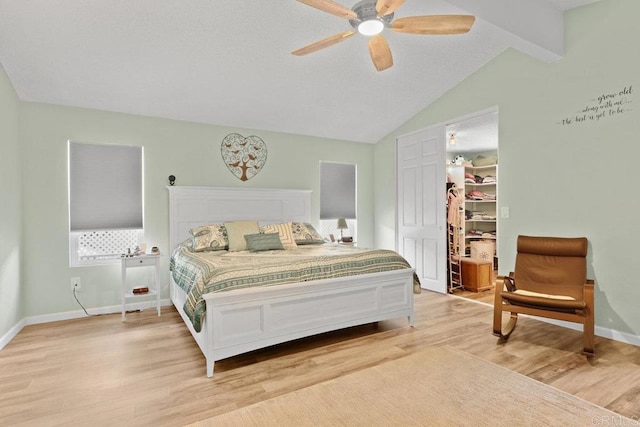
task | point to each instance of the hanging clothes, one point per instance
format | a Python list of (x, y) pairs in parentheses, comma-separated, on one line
[(454, 201)]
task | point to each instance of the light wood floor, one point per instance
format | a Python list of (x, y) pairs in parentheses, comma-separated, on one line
[(149, 371), (484, 296)]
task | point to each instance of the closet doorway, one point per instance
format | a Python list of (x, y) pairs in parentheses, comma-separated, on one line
[(472, 218), (423, 165)]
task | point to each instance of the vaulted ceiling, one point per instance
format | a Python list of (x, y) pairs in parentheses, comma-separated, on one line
[(230, 63)]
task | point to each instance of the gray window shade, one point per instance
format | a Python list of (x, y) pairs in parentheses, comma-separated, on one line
[(337, 190), (105, 187)]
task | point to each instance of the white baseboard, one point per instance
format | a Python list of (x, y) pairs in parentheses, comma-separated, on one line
[(6, 338), (618, 336), (598, 331), (76, 314)]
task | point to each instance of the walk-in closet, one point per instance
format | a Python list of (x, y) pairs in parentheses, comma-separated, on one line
[(472, 202)]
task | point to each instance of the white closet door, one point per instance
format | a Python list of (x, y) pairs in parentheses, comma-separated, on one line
[(421, 221)]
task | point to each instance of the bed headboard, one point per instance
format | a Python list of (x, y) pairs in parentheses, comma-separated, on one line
[(191, 207)]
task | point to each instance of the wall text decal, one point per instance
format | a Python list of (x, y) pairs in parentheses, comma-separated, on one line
[(604, 106)]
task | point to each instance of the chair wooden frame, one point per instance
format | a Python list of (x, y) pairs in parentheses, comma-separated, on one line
[(554, 310)]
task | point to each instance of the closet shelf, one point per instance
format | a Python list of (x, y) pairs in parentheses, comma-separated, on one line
[(481, 167), (479, 222)]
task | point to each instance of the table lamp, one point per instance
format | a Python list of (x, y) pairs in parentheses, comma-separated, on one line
[(342, 225)]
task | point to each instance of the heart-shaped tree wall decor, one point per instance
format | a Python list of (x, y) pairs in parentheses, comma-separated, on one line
[(244, 157)]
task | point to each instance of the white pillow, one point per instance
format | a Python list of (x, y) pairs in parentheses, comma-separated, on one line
[(237, 230), (285, 233)]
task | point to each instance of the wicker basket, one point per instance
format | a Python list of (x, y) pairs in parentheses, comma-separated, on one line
[(483, 249)]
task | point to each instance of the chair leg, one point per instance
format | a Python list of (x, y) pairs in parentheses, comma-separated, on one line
[(497, 316), (589, 321), (497, 312), (511, 325), (588, 335)]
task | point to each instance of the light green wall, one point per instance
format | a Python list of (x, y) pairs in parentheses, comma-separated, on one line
[(557, 179), (565, 180), (10, 208), (189, 151)]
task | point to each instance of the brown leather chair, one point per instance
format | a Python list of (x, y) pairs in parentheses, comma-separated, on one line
[(550, 280)]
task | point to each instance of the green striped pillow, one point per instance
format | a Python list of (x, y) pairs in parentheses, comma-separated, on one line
[(263, 242)]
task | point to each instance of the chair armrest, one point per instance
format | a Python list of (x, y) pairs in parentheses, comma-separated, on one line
[(508, 281), (588, 292)]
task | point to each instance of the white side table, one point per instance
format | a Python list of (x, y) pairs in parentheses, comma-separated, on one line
[(148, 260)]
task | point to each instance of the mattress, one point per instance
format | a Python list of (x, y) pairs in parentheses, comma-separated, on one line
[(199, 273)]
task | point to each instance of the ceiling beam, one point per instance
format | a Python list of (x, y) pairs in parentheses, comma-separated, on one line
[(536, 27)]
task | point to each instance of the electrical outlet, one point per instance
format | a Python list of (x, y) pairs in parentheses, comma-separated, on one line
[(76, 284)]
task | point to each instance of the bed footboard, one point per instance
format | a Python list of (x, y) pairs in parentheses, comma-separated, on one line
[(249, 319)]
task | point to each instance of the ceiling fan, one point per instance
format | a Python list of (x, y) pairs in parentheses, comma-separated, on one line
[(370, 17)]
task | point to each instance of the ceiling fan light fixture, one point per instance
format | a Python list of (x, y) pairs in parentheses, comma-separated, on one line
[(368, 23), (370, 17), (370, 27)]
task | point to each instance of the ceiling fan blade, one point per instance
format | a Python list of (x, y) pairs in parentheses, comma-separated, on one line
[(331, 7), (434, 24), (385, 7), (380, 52), (321, 44)]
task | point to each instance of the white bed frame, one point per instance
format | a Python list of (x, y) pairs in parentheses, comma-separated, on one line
[(243, 320)]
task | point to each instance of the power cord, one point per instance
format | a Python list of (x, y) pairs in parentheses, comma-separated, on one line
[(94, 315), (88, 314), (85, 310)]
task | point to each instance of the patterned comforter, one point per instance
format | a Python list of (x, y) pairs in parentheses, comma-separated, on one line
[(198, 273)]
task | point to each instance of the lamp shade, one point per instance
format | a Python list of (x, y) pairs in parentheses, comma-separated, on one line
[(342, 224)]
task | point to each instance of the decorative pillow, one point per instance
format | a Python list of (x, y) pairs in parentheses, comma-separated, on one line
[(284, 230), (209, 238), (236, 232), (305, 234), (263, 242)]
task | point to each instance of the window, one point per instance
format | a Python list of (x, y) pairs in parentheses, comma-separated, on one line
[(106, 194), (337, 198)]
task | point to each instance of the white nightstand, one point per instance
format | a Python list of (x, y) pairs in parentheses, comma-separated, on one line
[(154, 288)]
